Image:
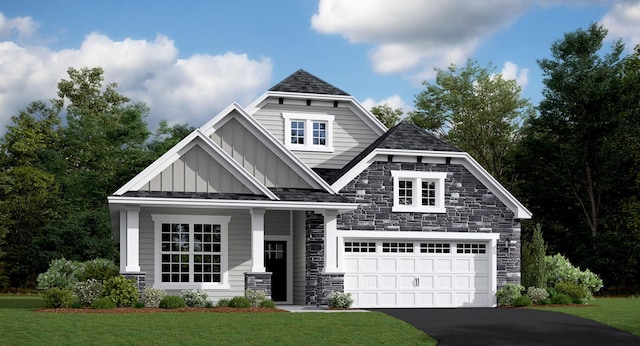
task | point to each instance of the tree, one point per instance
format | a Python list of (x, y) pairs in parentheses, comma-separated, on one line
[(475, 109), (387, 115), (533, 263), (167, 136)]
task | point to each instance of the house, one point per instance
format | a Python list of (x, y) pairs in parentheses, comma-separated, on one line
[(303, 193)]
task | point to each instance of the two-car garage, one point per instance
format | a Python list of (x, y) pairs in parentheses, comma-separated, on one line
[(443, 270)]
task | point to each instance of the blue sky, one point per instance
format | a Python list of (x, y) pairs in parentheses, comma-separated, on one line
[(189, 60)]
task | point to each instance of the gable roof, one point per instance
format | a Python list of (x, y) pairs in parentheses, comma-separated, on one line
[(304, 82)]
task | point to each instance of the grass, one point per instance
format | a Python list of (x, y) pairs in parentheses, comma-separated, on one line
[(25, 326), (621, 313)]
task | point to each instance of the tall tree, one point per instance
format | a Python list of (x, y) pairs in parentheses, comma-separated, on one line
[(387, 115), (476, 109)]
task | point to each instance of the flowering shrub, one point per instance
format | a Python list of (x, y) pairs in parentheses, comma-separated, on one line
[(508, 293), (87, 291), (121, 291), (195, 298), (559, 269), (340, 300), (256, 297), (151, 297), (62, 273), (538, 295)]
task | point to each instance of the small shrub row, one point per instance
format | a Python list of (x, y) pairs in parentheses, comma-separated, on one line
[(562, 293)]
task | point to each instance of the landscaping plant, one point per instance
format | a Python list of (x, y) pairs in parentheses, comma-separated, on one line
[(195, 298), (256, 297), (103, 303), (62, 273), (172, 302), (121, 291), (87, 291), (538, 295), (239, 302), (339, 300), (151, 297), (56, 297), (508, 293)]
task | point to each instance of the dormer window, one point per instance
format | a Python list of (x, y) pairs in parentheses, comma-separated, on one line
[(308, 132)]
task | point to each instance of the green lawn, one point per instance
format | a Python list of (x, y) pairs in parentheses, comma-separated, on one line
[(19, 324), (621, 313)]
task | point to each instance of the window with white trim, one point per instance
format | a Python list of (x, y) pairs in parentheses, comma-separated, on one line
[(471, 248), (191, 251), (418, 191), (308, 132)]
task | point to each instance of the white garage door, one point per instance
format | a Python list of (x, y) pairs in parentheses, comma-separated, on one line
[(418, 273)]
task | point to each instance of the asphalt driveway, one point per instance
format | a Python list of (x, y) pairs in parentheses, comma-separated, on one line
[(487, 326)]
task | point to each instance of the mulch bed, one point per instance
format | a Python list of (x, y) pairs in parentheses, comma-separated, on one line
[(155, 310)]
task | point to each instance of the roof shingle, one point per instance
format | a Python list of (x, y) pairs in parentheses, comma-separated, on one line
[(302, 81)]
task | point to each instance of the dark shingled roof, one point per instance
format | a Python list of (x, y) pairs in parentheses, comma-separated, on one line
[(302, 81), (307, 195), (285, 194), (404, 136)]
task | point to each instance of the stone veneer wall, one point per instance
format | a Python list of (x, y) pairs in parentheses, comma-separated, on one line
[(315, 255), (470, 206), (327, 284), (258, 282), (139, 278)]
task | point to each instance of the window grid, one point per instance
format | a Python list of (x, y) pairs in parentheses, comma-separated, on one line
[(435, 248), (428, 192), (405, 192), (297, 132), (319, 133), (359, 247), (397, 247), (468, 248)]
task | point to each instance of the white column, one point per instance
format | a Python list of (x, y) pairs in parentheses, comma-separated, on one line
[(330, 241), (257, 240), (133, 241)]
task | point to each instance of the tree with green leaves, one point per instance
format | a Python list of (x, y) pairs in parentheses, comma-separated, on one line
[(387, 115), (477, 110), (533, 260)]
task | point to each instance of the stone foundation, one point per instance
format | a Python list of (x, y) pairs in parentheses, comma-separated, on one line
[(258, 282)]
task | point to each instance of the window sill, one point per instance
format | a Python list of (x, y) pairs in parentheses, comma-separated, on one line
[(410, 209), (318, 148)]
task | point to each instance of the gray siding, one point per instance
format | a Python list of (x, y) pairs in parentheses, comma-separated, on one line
[(350, 134), (256, 157), (196, 171), (299, 257)]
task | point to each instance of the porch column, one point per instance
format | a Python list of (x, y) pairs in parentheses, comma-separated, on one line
[(330, 241), (257, 240), (130, 240)]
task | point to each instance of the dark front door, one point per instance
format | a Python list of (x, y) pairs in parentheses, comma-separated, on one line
[(275, 261)]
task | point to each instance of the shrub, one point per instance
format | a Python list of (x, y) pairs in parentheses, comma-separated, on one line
[(223, 303), (507, 293), (561, 298), (195, 298), (100, 269), (151, 297), (534, 269), (578, 294), (340, 300), (255, 296), (267, 304), (172, 302), (62, 273), (87, 291), (56, 297), (103, 303), (239, 302), (521, 300), (559, 269), (209, 304), (121, 291), (537, 295), (139, 305)]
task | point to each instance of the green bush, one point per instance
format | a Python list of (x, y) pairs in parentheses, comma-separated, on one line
[(578, 294), (223, 303), (100, 269), (87, 291), (56, 297), (103, 303), (507, 293), (62, 273), (209, 304), (537, 295), (121, 291), (239, 302), (195, 298), (267, 304), (255, 296), (172, 302), (339, 300), (559, 269), (151, 297), (139, 305), (522, 300), (561, 298)]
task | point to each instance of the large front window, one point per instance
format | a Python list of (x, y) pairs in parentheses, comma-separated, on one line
[(191, 251), (308, 132), (418, 191)]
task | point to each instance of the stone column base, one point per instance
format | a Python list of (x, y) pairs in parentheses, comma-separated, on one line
[(327, 284), (140, 279), (258, 282)]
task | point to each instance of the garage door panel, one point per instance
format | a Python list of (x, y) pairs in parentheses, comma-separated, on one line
[(425, 265), (444, 265), (426, 281), (387, 265), (444, 282), (406, 265)]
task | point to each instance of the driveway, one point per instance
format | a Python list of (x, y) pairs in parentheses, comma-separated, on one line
[(487, 326)]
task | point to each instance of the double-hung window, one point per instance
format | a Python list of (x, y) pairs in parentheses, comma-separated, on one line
[(418, 191), (308, 132), (191, 251)]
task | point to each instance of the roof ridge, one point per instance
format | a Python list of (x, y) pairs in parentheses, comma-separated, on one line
[(302, 81)]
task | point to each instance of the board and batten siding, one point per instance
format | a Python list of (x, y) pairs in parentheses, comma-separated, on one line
[(299, 257), (196, 171), (256, 157), (351, 135), (239, 245)]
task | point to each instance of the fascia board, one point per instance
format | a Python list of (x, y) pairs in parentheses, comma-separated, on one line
[(354, 171), (219, 119), (118, 202)]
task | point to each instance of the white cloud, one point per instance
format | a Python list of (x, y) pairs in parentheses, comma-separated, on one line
[(189, 90), (394, 102), (623, 21), (511, 71), (414, 36), (22, 26)]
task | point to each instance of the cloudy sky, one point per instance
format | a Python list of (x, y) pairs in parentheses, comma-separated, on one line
[(189, 60)]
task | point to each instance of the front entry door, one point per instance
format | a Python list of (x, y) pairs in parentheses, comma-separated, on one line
[(275, 261)]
